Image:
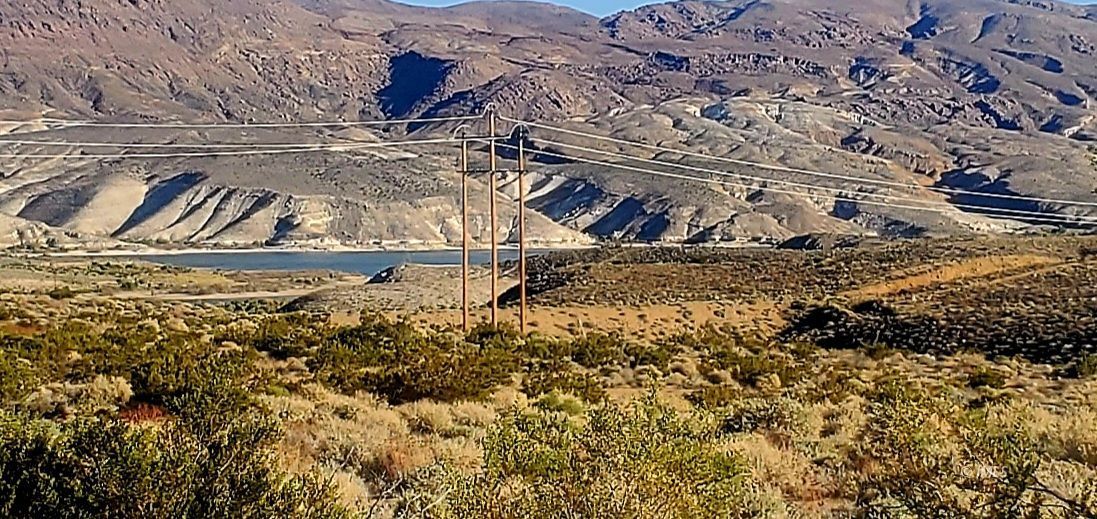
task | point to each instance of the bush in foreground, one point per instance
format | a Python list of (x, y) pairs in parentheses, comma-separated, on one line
[(646, 460), (201, 449), (107, 468), (931, 457)]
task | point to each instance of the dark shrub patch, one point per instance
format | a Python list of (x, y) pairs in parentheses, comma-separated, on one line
[(403, 364), (287, 335), (557, 377), (1085, 367), (986, 377), (715, 397), (595, 350)]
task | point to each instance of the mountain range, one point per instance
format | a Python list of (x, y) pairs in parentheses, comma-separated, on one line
[(944, 97)]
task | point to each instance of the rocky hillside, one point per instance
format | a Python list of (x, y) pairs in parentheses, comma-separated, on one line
[(981, 95)]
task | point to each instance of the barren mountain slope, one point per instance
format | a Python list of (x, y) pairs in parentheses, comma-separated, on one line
[(986, 95)]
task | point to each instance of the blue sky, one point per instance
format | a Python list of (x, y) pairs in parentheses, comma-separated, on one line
[(600, 7)]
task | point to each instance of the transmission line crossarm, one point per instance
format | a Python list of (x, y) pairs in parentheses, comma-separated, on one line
[(801, 171)]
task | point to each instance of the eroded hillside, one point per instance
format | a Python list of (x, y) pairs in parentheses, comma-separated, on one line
[(988, 96)]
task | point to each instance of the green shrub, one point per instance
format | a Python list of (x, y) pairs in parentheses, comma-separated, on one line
[(17, 377), (503, 336), (559, 403), (199, 467), (158, 365), (536, 348), (643, 461), (834, 385), (802, 350), (431, 368), (715, 397), (748, 359), (878, 350), (286, 335), (656, 355), (60, 293), (405, 364), (44, 359), (986, 377), (705, 340), (751, 368), (595, 350), (213, 456), (559, 378), (345, 356), (763, 414), (934, 458), (171, 369), (1085, 367)]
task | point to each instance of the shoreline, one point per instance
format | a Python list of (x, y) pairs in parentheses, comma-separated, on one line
[(147, 251), (122, 253)]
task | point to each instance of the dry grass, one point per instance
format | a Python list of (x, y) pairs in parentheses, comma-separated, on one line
[(367, 446), (783, 467), (807, 464), (1069, 436), (958, 271)]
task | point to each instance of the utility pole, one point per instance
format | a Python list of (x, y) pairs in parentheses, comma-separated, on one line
[(493, 188), (522, 316), (464, 229)]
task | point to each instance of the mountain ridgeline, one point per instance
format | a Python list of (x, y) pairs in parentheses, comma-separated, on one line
[(934, 102)]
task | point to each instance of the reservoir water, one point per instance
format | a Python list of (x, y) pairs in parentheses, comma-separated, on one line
[(363, 262)]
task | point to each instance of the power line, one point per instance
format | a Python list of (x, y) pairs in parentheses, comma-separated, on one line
[(812, 186), (1038, 217), (339, 147), (939, 210), (801, 171), (253, 149), (301, 145), (67, 123)]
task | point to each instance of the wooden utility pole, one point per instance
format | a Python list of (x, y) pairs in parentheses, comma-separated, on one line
[(464, 232), (521, 133), (493, 188)]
